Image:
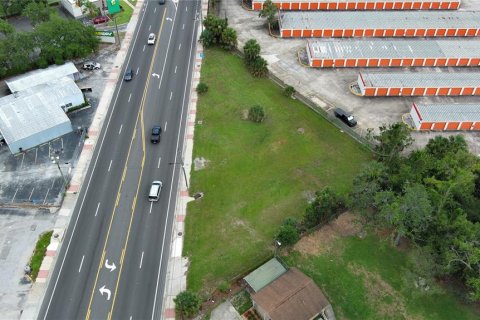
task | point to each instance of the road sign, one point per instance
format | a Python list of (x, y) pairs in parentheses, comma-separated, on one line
[(104, 33)]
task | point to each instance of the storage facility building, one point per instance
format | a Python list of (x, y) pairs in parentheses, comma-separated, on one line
[(419, 84), (36, 77), (393, 53), (361, 4), (446, 117), (347, 24)]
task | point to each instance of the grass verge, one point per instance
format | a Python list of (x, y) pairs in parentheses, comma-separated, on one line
[(122, 16), (257, 174), (369, 279), (39, 253)]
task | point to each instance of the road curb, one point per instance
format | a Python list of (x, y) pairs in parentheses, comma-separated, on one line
[(37, 291)]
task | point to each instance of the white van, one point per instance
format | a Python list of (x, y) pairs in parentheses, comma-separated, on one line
[(155, 190)]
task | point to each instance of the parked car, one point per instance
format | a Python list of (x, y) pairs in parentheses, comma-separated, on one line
[(156, 133), (91, 65), (345, 117), (151, 38), (100, 19), (128, 75)]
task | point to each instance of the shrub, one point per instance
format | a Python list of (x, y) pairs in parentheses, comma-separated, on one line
[(258, 67), (288, 233), (323, 209), (289, 91), (224, 287), (256, 114), (187, 303), (202, 88), (251, 50)]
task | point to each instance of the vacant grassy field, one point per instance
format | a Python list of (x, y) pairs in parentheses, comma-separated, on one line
[(369, 279), (124, 15), (257, 174)]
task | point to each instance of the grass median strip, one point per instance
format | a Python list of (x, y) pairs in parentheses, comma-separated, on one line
[(39, 253), (256, 174)]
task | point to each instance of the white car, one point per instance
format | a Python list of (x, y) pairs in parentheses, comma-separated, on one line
[(151, 38), (91, 65)]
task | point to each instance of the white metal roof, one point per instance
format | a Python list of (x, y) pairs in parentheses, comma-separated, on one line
[(36, 77), (350, 1), (401, 48), (338, 20), (449, 112), (421, 79), (34, 110)]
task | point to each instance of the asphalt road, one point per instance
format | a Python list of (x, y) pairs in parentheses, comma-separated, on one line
[(113, 261)]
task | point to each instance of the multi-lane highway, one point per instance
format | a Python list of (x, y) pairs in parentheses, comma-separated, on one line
[(113, 260)]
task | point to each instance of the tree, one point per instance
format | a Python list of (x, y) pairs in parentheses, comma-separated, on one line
[(251, 50), (256, 114), (391, 142), (288, 91), (268, 11), (6, 28), (187, 303), (258, 67), (89, 8), (202, 88), (36, 12), (372, 179), (288, 233), (215, 26), (207, 38), (326, 207), (16, 53), (229, 38)]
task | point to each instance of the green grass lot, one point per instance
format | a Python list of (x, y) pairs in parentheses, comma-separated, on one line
[(369, 279), (258, 174), (124, 15), (39, 253)]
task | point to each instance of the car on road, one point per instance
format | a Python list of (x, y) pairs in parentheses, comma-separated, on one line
[(128, 75), (91, 65), (345, 117), (155, 189), (100, 19), (156, 133), (151, 38), (161, 2)]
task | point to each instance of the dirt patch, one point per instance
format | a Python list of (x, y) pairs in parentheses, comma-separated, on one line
[(277, 144), (200, 163), (321, 241)]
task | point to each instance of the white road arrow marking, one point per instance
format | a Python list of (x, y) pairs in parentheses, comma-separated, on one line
[(111, 267), (156, 75), (107, 291), (168, 18)]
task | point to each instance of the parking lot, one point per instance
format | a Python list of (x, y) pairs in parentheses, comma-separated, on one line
[(329, 88)]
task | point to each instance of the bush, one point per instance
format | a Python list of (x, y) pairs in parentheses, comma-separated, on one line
[(288, 91), (187, 303), (224, 287), (202, 88), (288, 233), (256, 114), (258, 67), (326, 207), (251, 50)]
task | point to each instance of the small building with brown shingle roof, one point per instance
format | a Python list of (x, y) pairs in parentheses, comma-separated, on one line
[(292, 295)]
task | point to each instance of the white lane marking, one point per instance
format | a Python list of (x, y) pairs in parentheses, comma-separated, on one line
[(96, 211), (175, 69), (120, 131), (171, 183), (151, 206), (168, 47), (138, 69), (15, 194), (81, 263), (144, 46), (141, 261), (31, 194), (171, 94), (130, 96), (183, 26), (46, 195), (179, 47), (186, 9), (110, 165), (90, 179), (159, 160), (165, 127), (154, 10), (149, 27)]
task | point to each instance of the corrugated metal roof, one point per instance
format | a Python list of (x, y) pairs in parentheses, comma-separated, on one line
[(338, 20), (36, 77), (401, 48), (265, 274), (34, 110), (449, 112), (350, 1), (422, 79)]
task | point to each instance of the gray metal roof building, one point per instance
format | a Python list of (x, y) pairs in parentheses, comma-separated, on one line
[(419, 84), (34, 116), (446, 117), (381, 53), (361, 4), (36, 77), (379, 24)]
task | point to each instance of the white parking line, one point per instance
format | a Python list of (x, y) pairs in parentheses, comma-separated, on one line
[(151, 206), (23, 158), (120, 131), (141, 260), (31, 194), (130, 96), (61, 139), (110, 165), (46, 195), (81, 263), (96, 211), (175, 69), (159, 160), (13, 199), (36, 153), (53, 182)]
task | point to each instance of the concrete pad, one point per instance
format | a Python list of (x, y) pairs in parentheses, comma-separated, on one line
[(225, 311)]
